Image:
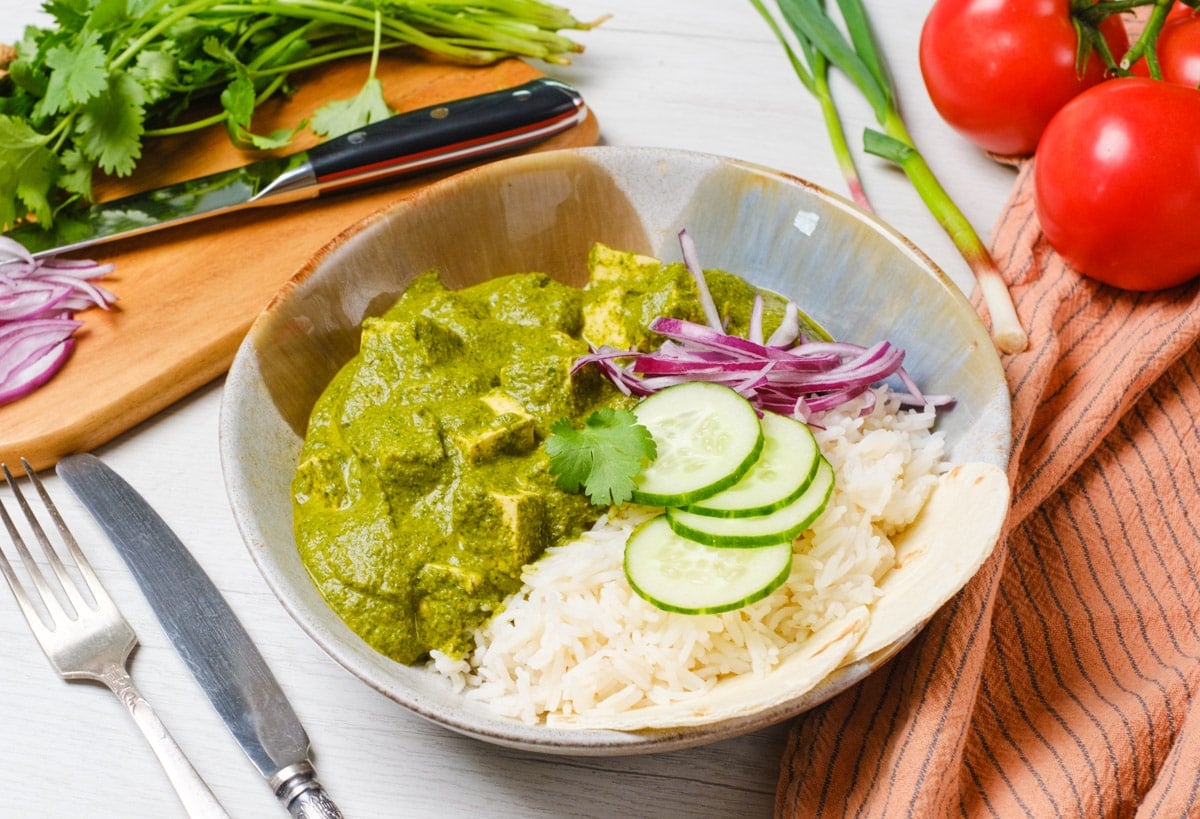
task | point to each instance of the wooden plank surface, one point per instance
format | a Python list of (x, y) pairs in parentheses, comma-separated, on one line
[(187, 295)]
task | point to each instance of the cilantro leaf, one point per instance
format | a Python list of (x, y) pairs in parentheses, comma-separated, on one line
[(603, 458), (76, 177), (110, 125), (80, 74), (27, 166), (110, 15), (158, 72), (339, 117), (239, 100)]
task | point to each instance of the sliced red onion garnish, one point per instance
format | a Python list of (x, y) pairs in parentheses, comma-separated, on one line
[(693, 335), (786, 373), (788, 330), (754, 331), (38, 298), (691, 260), (804, 378), (22, 343)]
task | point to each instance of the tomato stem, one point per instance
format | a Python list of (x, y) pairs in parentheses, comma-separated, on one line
[(1146, 41), (1093, 13), (1088, 16)]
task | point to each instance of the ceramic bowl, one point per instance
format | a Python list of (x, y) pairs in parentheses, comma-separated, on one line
[(856, 276)]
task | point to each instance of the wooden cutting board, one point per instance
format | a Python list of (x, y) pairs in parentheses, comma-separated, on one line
[(188, 295)]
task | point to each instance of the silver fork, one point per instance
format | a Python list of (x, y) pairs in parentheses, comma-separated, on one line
[(85, 637)]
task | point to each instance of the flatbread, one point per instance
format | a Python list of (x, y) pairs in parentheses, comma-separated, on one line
[(936, 556)]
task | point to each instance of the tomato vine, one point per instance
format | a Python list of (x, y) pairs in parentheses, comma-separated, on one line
[(1088, 16)]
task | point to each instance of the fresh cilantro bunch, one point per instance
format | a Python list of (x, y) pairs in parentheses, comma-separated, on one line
[(603, 458), (82, 95)]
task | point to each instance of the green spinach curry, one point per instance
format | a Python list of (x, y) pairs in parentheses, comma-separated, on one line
[(423, 489)]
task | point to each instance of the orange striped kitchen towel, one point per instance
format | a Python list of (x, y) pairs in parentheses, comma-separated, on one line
[(1062, 680)]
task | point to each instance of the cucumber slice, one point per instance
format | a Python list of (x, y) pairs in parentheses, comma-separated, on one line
[(681, 575), (707, 436), (783, 471), (760, 530)]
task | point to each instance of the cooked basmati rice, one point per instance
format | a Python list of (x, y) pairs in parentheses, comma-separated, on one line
[(576, 639)]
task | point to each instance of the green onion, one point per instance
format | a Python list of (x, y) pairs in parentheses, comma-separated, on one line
[(850, 47)]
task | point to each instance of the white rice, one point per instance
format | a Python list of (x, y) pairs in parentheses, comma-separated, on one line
[(577, 639)]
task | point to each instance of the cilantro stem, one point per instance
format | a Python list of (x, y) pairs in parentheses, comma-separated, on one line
[(375, 46), (131, 51), (187, 127), (280, 45), (320, 58), (855, 53)]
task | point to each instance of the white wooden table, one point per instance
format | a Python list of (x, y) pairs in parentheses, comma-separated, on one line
[(704, 75)]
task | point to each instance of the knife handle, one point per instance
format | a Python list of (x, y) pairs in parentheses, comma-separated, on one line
[(449, 133), (296, 786)]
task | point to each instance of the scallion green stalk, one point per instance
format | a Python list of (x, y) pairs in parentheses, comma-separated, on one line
[(853, 51)]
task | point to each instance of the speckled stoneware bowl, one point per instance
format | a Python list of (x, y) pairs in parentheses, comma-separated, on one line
[(856, 276)]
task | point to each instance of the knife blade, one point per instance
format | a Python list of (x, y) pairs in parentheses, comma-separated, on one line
[(206, 633), (415, 142)]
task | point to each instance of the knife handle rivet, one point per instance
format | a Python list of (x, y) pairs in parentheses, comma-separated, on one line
[(356, 138), (441, 112)]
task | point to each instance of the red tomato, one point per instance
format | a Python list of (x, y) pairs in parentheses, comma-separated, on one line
[(998, 70), (1117, 180)]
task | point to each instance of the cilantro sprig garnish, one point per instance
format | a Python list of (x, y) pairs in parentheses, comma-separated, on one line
[(82, 95), (603, 458)]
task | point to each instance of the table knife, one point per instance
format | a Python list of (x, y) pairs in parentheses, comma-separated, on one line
[(434, 137), (207, 635)]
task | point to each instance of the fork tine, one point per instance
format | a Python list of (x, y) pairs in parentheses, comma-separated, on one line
[(91, 583), (73, 603), (18, 590), (32, 615)]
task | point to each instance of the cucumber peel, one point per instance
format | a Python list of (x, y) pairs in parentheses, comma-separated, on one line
[(783, 471), (707, 437), (677, 574), (784, 524)]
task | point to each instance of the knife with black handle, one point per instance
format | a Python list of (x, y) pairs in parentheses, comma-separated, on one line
[(207, 634), (438, 136)]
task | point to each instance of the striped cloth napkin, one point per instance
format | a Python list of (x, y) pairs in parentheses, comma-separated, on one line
[(1062, 680)]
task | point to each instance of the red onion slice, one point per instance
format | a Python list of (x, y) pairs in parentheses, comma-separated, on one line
[(788, 331), (799, 379), (691, 260), (38, 298), (30, 352), (23, 299)]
